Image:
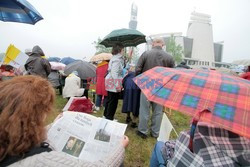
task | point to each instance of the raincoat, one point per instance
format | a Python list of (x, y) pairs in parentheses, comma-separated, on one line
[(36, 65), (101, 72), (131, 97), (72, 86)]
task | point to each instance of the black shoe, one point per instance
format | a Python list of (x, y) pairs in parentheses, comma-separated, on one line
[(133, 125), (153, 136), (142, 135), (128, 119)]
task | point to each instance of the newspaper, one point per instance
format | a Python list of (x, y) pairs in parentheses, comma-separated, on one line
[(85, 136)]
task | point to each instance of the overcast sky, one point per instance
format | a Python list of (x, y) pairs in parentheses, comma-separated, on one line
[(70, 27)]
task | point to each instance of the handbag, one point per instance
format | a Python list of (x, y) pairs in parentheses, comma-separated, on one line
[(81, 104)]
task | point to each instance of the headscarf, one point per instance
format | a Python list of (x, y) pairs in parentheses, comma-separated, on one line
[(75, 73)]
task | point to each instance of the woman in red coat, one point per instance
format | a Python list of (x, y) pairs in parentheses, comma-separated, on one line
[(247, 74), (101, 92)]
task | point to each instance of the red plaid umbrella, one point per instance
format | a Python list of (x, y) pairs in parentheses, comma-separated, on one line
[(209, 95)]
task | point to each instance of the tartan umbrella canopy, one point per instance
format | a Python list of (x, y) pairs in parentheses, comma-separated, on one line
[(19, 11), (208, 95), (128, 37)]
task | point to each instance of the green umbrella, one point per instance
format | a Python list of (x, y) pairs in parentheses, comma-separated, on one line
[(128, 37)]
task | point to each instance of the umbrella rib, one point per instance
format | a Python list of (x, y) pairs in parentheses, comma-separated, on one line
[(163, 85)]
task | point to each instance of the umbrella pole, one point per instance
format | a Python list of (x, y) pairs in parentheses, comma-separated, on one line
[(168, 111), (125, 52), (131, 54), (126, 56)]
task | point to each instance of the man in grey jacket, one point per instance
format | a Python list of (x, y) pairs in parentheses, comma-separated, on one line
[(36, 64), (149, 59)]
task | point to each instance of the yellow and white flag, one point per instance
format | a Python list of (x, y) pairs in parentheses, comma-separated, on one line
[(15, 57)]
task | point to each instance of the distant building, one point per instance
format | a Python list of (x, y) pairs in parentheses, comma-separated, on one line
[(133, 17), (245, 62), (199, 50), (200, 30), (218, 51)]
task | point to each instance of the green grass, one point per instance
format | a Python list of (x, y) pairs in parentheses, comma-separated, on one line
[(138, 152)]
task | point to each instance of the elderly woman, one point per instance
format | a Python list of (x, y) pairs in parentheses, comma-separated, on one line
[(25, 102), (113, 80), (131, 97)]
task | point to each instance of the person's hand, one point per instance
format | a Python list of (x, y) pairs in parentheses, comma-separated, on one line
[(119, 88), (125, 141)]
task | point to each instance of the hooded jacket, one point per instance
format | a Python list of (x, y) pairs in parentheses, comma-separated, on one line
[(36, 65)]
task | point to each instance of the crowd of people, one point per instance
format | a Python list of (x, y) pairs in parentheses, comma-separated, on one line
[(23, 112)]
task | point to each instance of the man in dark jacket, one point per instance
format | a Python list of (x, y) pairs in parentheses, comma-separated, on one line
[(149, 59), (36, 65)]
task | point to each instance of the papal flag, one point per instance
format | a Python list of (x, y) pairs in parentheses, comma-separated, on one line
[(15, 57)]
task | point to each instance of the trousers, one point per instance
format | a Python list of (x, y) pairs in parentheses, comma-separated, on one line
[(111, 105), (157, 159), (144, 116), (98, 102)]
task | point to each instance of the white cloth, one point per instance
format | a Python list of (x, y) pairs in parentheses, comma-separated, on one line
[(165, 129), (72, 86), (61, 159)]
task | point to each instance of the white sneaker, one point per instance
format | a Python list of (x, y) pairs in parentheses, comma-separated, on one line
[(97, 108)]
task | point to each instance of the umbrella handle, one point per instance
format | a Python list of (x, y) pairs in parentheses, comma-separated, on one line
[(195, 121), (192, 130)]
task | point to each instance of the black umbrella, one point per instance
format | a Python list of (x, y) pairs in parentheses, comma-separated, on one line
[(84, 69), (128, 37)]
